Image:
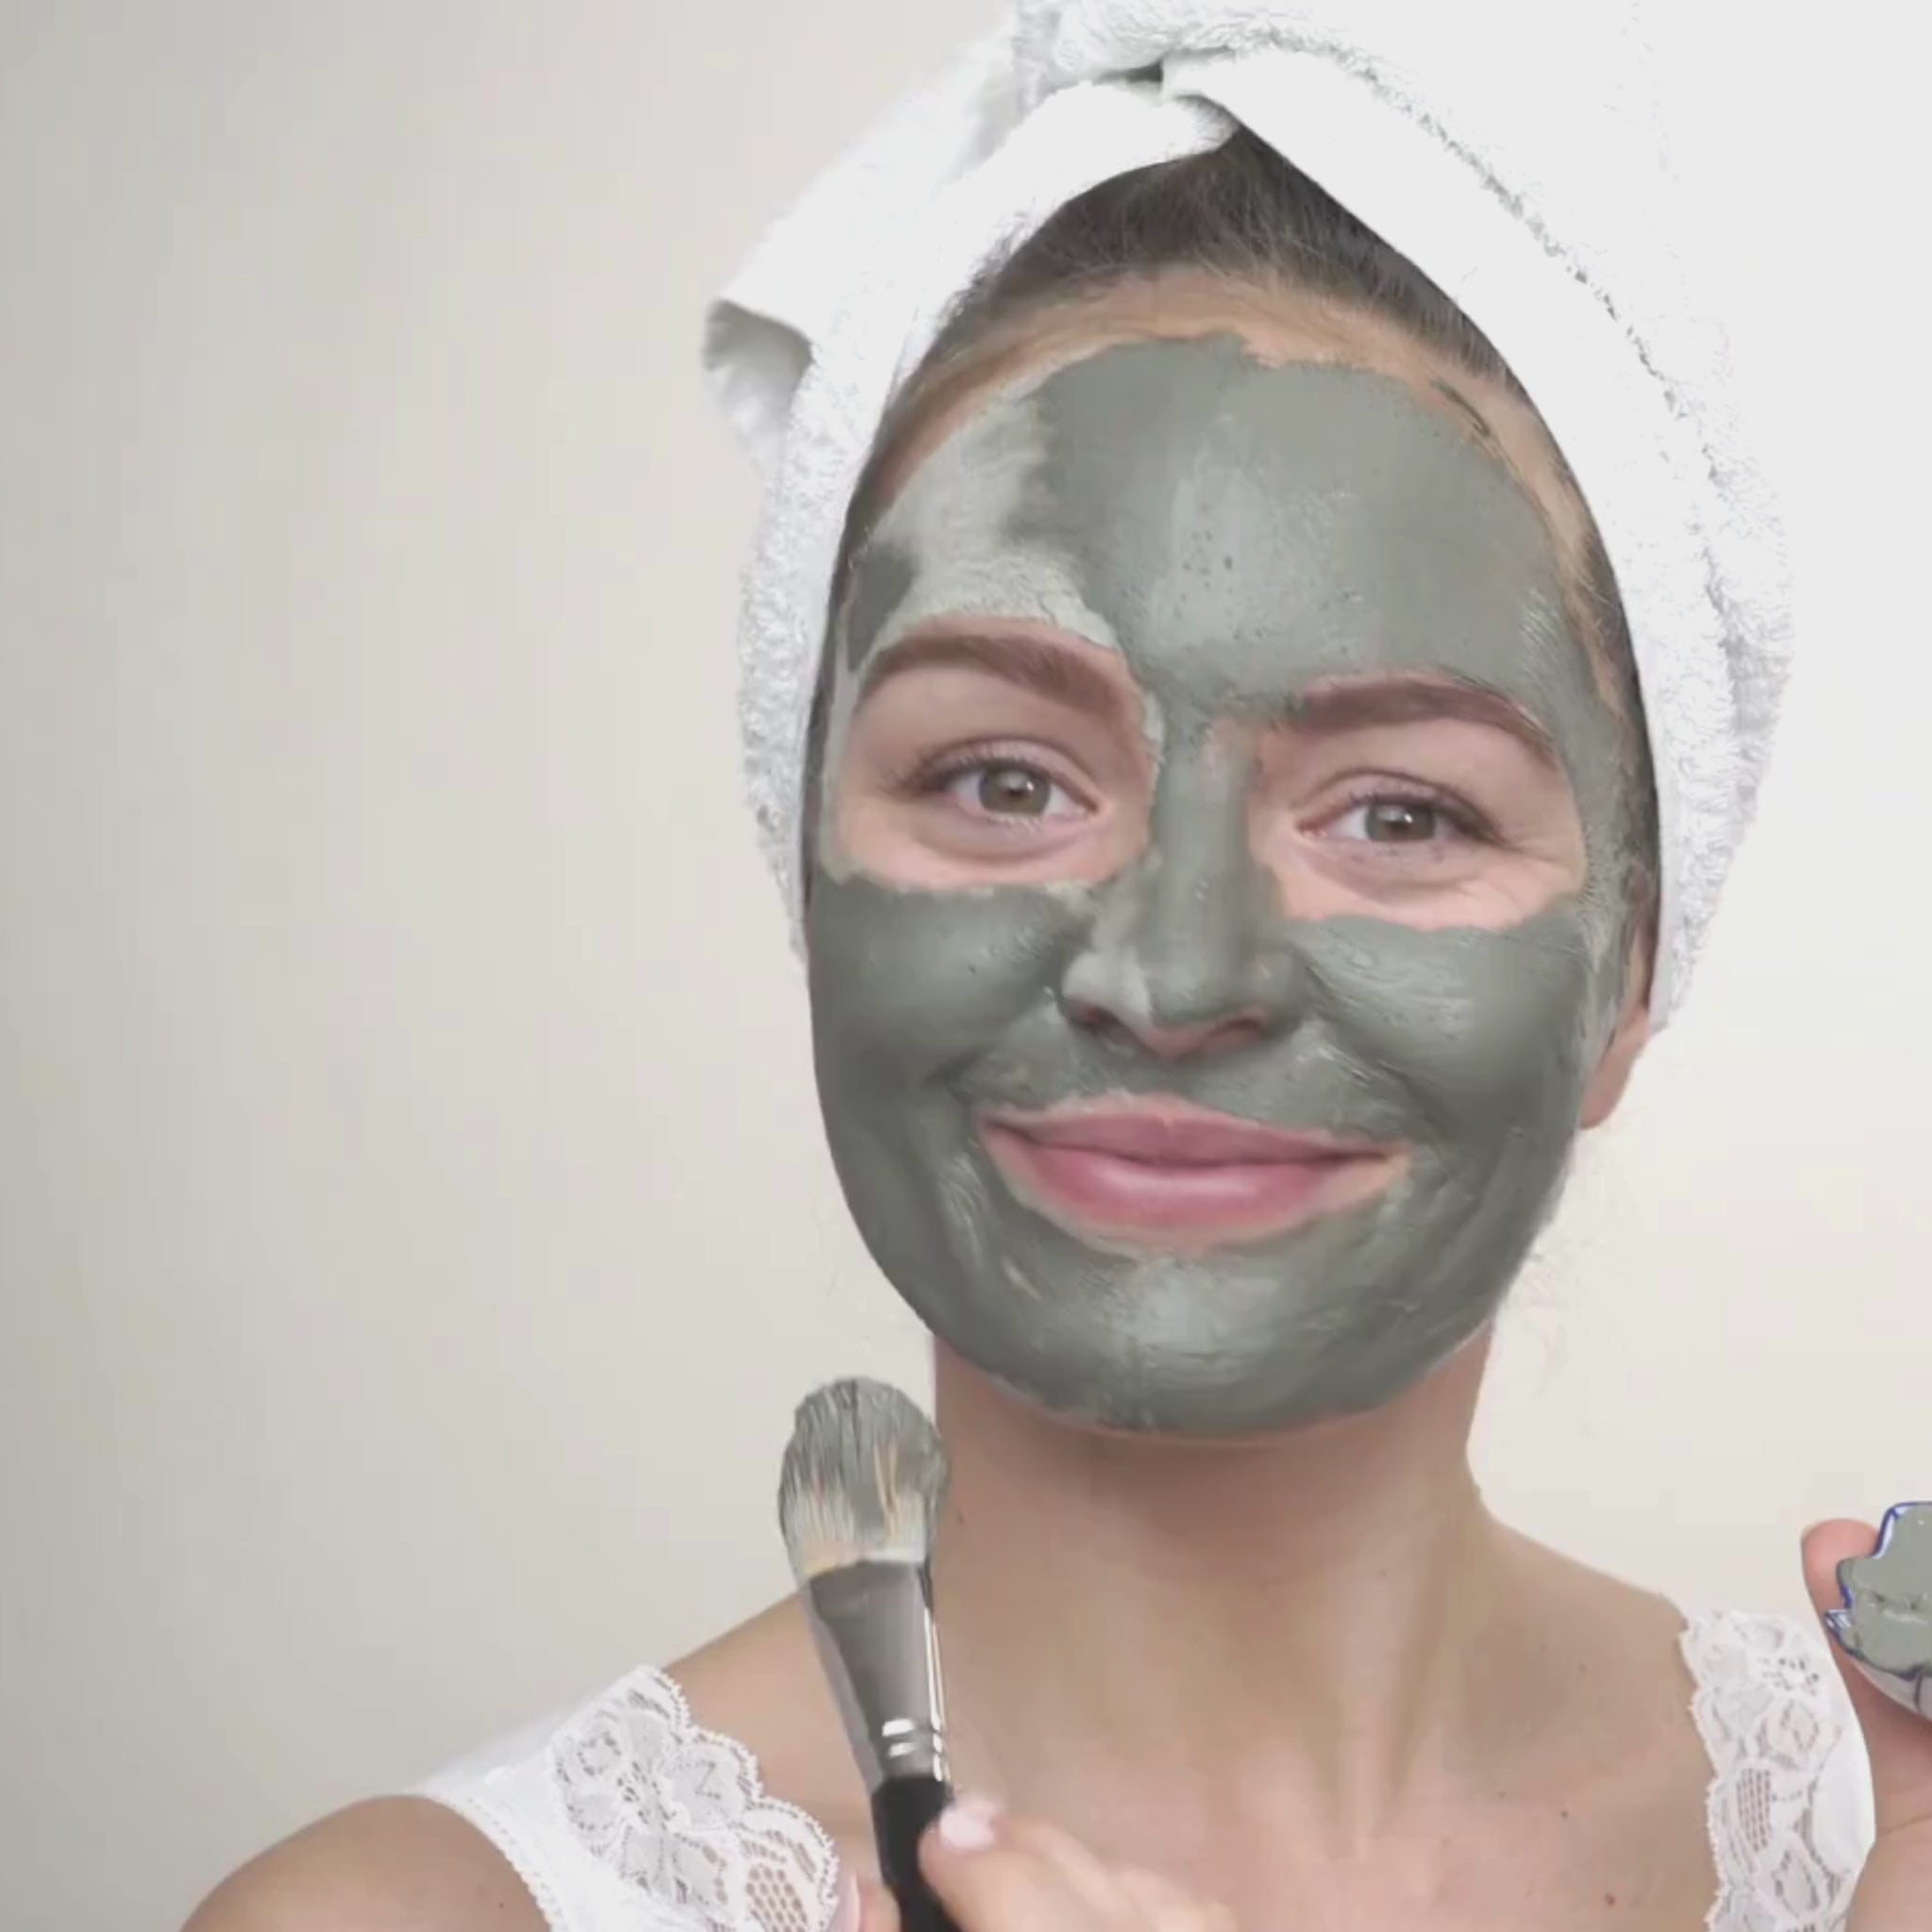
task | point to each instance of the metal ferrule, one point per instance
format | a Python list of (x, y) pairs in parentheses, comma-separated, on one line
[(875, 1637)]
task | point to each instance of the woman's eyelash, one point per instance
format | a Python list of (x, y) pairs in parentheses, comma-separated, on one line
[(1463, 816), (933, 774), (927, 775)]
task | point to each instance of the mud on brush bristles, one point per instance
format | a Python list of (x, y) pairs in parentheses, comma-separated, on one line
[(862, 1481)]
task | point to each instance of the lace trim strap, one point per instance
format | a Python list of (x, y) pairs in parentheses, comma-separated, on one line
[(633, 1818), (630, 1817), (1773, 1718)]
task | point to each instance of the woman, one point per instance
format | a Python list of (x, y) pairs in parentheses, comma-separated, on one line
[(1269, 763)]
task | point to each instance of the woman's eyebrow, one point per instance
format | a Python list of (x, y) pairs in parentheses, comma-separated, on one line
[(1031, 663), (1364, 704)]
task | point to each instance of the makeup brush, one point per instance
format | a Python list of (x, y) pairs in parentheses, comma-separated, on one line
[(858, 1498)]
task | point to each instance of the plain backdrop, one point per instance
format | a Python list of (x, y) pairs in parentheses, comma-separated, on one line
[(414, 1230)]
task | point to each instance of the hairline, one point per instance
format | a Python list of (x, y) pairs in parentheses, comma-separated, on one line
[(1046, 333)]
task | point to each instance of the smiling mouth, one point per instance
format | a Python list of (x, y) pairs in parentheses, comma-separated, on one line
[(1162, 1174)]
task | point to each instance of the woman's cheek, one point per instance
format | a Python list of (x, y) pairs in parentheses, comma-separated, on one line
[(918, 981), (1486, 1028)]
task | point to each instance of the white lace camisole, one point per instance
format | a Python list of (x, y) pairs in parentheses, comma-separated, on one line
[(627, 1817)]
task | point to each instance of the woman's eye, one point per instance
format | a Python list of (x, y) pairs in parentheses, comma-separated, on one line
[(1394, 822), (1008, 790)]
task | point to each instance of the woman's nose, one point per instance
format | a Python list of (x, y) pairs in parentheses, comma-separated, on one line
[(1222, 1034), (1179, 961)]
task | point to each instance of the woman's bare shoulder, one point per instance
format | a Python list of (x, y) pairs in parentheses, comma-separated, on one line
[(388, 1865), (412, 1864)]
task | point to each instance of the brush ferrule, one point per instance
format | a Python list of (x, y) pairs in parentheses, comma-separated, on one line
[(874, 1630)]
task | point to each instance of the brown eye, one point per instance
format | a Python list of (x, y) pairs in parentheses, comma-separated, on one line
[(1014, 791), (1393, 819), (1005, 791), (1400, 822)]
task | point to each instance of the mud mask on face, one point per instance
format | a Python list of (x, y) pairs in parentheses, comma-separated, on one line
[(1239, 532)]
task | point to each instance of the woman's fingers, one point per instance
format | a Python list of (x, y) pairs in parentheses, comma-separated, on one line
[(1166, 1908), (1897, 1878), (865, 1906), (1092, 1882), (880, 1909), (992, 1877), (1898, 1742), (999, 1873)]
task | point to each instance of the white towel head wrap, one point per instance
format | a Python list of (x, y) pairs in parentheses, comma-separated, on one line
[(1509, 148)]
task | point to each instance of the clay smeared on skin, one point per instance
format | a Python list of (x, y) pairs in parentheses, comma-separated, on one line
[(1885, 1626), (1239, 532)]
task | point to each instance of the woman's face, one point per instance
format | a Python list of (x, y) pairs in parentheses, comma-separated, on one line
[(1218, 902)]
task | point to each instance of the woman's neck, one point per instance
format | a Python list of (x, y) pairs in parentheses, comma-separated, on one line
[(1330, 1615)]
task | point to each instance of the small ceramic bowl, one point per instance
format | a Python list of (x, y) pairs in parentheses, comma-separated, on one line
[(1886, 1625)]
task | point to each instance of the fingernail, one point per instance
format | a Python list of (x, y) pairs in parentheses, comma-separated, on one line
[(847, 1916), (967, 1825)]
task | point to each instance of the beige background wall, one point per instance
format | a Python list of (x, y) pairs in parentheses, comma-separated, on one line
[(413, 1229)]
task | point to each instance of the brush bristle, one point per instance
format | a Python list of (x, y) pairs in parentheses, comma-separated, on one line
[(863, 1478)]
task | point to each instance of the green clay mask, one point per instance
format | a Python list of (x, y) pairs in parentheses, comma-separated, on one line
[(1240, 535)]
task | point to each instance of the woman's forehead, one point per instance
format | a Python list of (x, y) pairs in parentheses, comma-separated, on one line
[(1278, 325), (1240, 526)]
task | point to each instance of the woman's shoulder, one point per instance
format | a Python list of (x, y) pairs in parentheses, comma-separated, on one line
[(400, 1864), (719, 1795), (672, 1800)]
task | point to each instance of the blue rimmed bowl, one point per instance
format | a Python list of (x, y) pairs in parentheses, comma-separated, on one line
[(1886, 1625)]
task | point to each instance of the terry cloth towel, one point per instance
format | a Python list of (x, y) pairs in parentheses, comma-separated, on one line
[(1510, 148)]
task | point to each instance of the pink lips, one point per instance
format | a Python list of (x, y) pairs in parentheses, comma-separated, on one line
[(1163, 1173)]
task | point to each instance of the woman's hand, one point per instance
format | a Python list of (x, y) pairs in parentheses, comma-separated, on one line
[(1895, 1893), (995, 1873)]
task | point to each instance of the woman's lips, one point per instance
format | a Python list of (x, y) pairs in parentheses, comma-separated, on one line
[(1163, 1173)]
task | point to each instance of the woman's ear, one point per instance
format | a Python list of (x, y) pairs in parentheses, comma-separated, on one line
[(1632, 1034)]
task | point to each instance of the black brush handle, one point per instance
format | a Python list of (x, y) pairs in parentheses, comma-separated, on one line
[(902, 1809)]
